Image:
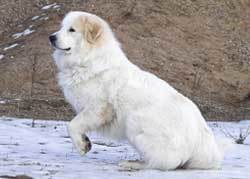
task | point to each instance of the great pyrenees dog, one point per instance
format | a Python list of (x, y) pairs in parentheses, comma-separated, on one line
[(113, 96)]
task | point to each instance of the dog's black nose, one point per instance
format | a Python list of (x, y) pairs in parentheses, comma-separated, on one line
[(52, 38)]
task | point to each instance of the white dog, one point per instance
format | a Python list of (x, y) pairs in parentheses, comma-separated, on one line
[(113, 96)]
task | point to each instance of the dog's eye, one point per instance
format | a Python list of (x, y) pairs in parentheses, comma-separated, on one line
[(72, 30)]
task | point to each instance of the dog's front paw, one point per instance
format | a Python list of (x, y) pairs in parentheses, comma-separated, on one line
[(82, 144), (87, 144)]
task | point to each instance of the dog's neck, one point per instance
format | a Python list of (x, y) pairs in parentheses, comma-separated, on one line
[(84, 68)]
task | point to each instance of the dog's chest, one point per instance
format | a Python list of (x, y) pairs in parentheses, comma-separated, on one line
[(81, 94)]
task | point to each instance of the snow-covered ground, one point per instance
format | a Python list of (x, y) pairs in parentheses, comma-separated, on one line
[(11, 46), (45, 151)]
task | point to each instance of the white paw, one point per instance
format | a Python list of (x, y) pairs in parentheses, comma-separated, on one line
[(132, 165)]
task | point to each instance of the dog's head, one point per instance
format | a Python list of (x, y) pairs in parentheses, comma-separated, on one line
[(79, 31)]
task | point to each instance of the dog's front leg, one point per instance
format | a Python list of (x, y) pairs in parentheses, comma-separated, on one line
[(85, 121)]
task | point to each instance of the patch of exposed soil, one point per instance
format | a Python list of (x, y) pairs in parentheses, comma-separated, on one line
[(15, 177)]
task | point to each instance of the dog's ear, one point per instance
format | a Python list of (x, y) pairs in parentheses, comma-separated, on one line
[(92, 30)]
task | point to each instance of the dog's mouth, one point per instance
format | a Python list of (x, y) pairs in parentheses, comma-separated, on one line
[(56, 47), (64, 49)]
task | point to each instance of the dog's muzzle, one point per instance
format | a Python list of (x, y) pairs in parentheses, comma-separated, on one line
[(53, 39)]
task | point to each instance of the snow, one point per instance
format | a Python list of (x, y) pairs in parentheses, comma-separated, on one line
[(1, 56), (10, 47), (35, 18), (56, 7), (3, 101), (7, 100), (24, 33), (45, 151), (49, 6), (44, 18)]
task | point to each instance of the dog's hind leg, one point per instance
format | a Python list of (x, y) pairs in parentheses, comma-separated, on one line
[(156, 155)]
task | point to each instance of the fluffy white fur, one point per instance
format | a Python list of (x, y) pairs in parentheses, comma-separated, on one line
[(113, 96)]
